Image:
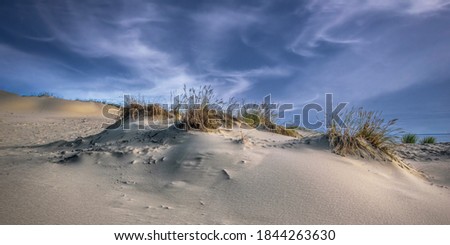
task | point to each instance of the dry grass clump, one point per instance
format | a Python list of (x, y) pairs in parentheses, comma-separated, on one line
[(136, 108), (366, 135), (157, 111), (257, 117), (44, 94), (288, 132), (274, 128), (199, 109)]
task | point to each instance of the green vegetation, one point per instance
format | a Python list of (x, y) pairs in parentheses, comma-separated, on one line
[(409, 139), (428, 140)]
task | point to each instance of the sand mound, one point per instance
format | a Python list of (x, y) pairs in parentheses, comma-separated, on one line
[(13, 103), (170, 176), (432, 160), (41, 120)]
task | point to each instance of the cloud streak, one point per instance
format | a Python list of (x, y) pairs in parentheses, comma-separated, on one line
[(328, 17)]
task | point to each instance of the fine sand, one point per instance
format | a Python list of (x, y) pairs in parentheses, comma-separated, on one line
[(59, 166)]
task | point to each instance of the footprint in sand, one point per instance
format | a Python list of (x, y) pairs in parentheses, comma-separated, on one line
[(165, 207), (226, 174)]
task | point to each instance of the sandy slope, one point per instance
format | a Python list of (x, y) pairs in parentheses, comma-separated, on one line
[(176, 177), (37, 105), (433, 160), (40, 120)]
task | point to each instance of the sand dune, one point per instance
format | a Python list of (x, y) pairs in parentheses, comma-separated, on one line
[(432, 160), (37, 105), (177, 177), (41, 120)]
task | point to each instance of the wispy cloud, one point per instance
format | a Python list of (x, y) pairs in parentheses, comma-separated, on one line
[(296, 50), (361, 49), (327, 19), (34, 72), (135, 39), (40, 39), (95, 32)]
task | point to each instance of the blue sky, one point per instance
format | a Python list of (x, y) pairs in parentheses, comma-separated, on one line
[(381, 54)]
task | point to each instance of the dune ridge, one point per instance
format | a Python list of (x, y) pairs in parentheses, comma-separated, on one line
[(176, 177)]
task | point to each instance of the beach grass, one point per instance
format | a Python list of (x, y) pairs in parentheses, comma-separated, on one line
[(428, 140), (365, 134), (409, 139)]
